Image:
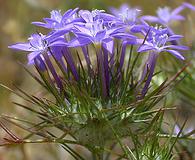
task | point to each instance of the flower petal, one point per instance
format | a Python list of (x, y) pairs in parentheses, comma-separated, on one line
[(68, 14), (31, 56), (177, 10), (86, 15), (22, 46), (144, 48), (123, 36), (176, 47), (100, 35), (82, 29), (188, 5), (41, 24), (178, 17), (49, 20), (151, 18), (174, 37), (138, 28), (176, 54)]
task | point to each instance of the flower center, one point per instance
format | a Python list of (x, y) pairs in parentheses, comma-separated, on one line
[(129, 15), (37, 42), (95, 27), (158, 37), (164, 14)]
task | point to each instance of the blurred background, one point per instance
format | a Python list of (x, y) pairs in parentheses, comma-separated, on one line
[(15, 19)]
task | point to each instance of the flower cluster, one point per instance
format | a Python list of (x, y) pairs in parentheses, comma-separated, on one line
[(98, 67), (103, 33)]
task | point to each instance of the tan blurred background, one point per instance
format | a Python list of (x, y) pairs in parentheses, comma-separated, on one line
[(15, 19)]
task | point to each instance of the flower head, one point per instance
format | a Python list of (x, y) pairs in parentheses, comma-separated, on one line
[(157, 41), (37, 44), (128, 18), (58, 23), (94, 30), (57, 20), (165, 16), (126, 14)]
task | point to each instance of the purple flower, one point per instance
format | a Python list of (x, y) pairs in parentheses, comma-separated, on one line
[(85, 36), (165, 16), (157, 40), (37, 44), (58, 23), (126, 14), (92, 31), (57, 20), (128, 18)]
